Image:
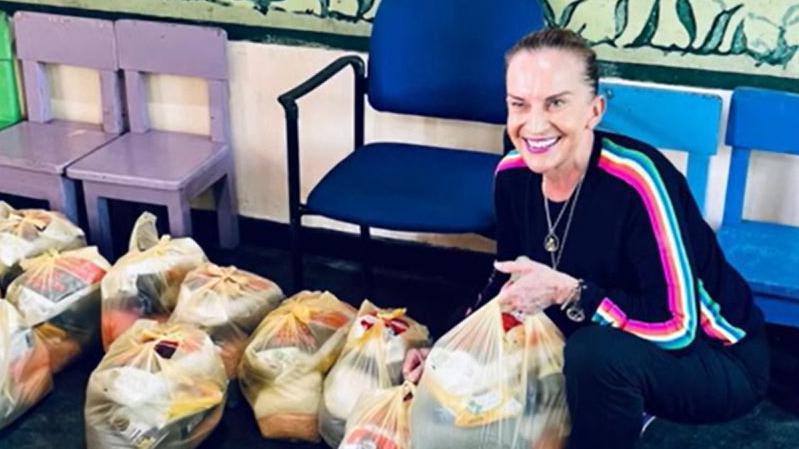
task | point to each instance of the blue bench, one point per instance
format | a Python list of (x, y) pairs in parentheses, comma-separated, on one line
[(671, 119), (766, 254)]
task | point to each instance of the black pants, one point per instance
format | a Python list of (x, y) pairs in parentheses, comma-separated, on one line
[(612, 377)]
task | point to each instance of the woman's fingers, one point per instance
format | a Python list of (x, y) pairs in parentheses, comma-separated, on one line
[(513, 266), (413, 366)]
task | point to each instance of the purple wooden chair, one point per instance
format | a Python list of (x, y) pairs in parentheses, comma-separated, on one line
[(35, 153), (163, 167)]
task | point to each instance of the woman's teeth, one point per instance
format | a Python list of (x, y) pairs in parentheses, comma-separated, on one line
[(540, 145)]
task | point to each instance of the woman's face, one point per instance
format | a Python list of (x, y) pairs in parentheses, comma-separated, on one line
[(552, 110)]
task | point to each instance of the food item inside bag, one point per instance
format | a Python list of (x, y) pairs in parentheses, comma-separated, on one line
[(371, 359), (25, 376), (282, 367), (228, 303), (27, 233), (380, 419), (495, 380), (144, 283), (160, 385), (59, 294)]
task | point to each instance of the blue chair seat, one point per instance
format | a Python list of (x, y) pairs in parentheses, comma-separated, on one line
[(380, 185), (767, 256)]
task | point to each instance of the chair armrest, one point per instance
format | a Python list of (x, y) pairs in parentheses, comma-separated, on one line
[(289, 99), (289, 102)]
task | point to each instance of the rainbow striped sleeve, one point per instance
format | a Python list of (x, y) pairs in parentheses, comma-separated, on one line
[(638, 171), (511, 160), (713, 324)]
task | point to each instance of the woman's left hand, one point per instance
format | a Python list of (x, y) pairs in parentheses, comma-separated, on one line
[(534, 286)]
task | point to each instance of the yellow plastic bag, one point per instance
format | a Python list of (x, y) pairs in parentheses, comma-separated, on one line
[(27, 233), (160, 385), (282, 367), (381, 419), (59, 294), (371, 359), (144, 283), (495, 380), (228, 303), (25, 376)]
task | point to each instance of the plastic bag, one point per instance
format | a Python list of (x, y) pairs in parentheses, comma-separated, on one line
[(59, 294), (282, 367), (161, 385), (381, 419), (25, 376), (228, 303), (371, 359), (30, 232), (144, 283), (495, 380)]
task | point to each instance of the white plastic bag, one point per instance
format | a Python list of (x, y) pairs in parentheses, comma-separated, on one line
[(228, 303), (282, 367), (27, 233), (144, 283), (25, 376), (381, 419), (160, 385), (495, 380), (371, 360), (59, 294)]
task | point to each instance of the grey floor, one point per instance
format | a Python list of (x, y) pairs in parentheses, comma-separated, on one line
[(57, 422)]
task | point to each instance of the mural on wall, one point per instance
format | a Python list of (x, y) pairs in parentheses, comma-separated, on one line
[(636, 38), (740, 36), (343, 17)]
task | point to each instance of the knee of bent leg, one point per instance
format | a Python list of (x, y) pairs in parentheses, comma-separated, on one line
[(594, 351)]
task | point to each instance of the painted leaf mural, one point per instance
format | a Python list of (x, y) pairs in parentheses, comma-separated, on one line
[(686, 14), (753, 37), (650, 26), (749, 37), (621, 14), (717, 30)]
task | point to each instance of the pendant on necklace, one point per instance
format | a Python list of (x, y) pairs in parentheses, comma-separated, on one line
[(551, 243)]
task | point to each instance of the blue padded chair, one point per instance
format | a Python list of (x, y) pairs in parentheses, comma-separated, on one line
[(672, 119), (442, 59), (766, 254)]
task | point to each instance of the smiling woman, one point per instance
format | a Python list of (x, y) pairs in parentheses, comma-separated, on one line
[(600, 232)]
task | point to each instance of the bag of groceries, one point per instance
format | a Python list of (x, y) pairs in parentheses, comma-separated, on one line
[(228, 303), (144, 283), (495, 380), (25, 375), (282, 368), (381, 419), (160, 385), (59, 294), (371, 359), (30, 232)]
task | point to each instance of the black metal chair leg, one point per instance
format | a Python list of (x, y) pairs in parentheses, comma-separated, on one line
[(366, 263), (297, 281)]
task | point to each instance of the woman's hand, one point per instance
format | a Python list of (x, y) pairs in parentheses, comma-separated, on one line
[(413, 366), (534, 286)]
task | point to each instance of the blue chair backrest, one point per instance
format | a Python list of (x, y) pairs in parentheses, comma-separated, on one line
[(762, 120), (445, 58), (669, 119)]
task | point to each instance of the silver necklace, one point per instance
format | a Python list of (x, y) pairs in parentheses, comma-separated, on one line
[(552, 243)]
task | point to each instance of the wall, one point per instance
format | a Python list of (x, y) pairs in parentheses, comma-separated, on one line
[(261, 71), (341, 17), (756, 38)]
